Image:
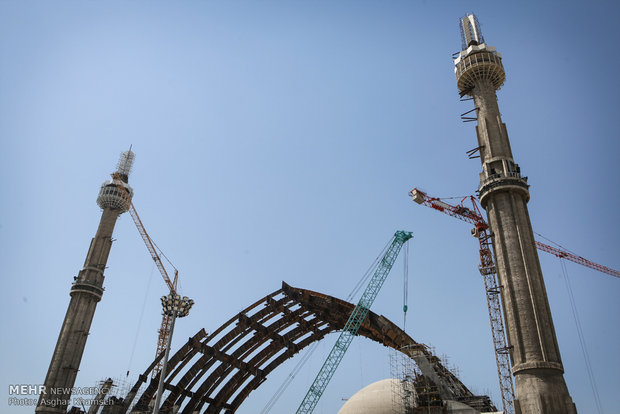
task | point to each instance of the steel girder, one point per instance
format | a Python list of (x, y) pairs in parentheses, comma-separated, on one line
[(215, 373)]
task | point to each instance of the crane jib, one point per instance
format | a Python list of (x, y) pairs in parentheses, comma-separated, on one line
[(353, 324)]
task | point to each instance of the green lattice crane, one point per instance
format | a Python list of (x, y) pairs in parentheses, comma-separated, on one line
[(353, 324)]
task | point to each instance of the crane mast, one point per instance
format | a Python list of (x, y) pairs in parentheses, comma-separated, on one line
[(353, 324), (489, 275), (166, 322)]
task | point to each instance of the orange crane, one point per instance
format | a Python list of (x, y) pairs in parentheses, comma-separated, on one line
[(164, 330), (489, 275)]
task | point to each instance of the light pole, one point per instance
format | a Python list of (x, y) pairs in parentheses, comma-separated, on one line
[(178, 307)]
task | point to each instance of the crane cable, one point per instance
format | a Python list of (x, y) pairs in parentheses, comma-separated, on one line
[(369, 272), (287, 381), (135, 341), (161, 253), (558, 245), (582, 342)]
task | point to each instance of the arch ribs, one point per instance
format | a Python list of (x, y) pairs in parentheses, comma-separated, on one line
[(215, 373)]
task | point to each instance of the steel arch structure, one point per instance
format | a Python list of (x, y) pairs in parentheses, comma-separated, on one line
[(215, 373)]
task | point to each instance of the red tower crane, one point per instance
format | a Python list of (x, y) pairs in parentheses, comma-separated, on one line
[(475, 217), (489, 275), (164, 330)]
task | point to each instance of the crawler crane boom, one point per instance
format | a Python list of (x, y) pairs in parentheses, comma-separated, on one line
[(353, 324), (164, 330)]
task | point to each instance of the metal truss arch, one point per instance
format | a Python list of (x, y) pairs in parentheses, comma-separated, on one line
[(215, 373)]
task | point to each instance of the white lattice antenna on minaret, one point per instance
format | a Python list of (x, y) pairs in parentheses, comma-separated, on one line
[(470, 31), (126, 162)]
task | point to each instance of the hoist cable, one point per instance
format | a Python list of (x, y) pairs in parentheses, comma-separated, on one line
[(135, 341), (369, 272), (287, 381), (582, 342), (557, 244)]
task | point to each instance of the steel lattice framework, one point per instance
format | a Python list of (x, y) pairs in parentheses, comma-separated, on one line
[(215, 373), (353, 324)]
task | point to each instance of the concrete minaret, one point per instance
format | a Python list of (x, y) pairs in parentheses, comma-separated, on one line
[(86, 291), (536, 362)]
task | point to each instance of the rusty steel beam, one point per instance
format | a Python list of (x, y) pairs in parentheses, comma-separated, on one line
[(216, 372)]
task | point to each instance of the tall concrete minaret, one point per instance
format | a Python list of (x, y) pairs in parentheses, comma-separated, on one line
[(86, 291), (536, 362)]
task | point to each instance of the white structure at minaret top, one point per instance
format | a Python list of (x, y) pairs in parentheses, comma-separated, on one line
[(470, 31), (111, 195), (476, 60)]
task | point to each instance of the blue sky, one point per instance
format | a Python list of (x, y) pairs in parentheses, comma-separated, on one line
[(277, 140)]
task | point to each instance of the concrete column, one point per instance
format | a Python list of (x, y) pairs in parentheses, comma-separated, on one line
[(536, 361), (85, 293)]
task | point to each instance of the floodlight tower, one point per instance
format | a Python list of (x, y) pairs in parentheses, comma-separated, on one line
[(86, 291), (535, 355)]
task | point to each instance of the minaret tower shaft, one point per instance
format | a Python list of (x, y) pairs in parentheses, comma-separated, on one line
[(86, 292), (535, 355)]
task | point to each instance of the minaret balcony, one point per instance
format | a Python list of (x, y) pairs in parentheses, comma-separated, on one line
[(87, 287), (504, 181), (479, 66)]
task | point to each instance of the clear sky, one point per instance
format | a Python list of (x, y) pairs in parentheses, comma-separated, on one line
[(277, 140)]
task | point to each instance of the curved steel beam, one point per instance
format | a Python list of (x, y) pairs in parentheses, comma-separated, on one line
[(216, 373)]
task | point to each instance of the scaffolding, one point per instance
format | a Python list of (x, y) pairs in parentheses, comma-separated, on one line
[(402, 370), (110, 397)]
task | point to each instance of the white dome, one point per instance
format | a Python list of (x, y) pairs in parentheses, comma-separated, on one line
[(375, 398)]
